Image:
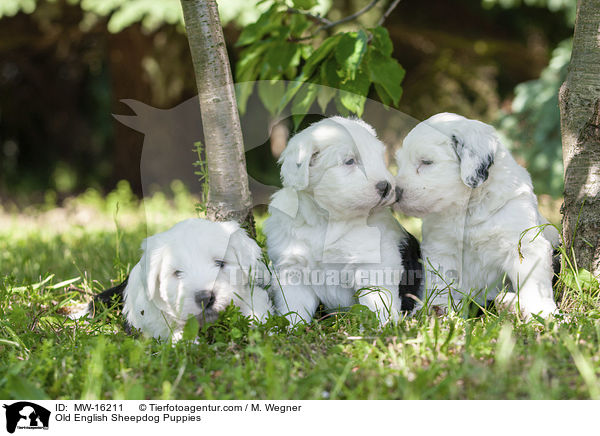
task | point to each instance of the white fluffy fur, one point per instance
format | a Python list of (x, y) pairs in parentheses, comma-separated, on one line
[(329, 217), (178, 263), (472, 221)]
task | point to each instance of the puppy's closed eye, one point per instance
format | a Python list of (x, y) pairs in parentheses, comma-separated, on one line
[(423, 163), (177, 273), (220, 263), (313, 158)]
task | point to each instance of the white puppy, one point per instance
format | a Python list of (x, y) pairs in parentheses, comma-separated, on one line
[(475, 202), (330, 234), (196, 268)]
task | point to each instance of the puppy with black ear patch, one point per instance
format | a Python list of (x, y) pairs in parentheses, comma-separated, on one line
[(196, 268), (331, 235), (475, 202)]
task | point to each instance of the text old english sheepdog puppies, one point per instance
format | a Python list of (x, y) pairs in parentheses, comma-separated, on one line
[(475, 202), (331, 236), (196, 268)]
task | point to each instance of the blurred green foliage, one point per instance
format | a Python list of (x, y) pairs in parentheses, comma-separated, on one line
[(10, 8), (533, 126), (568, 6), (150, 13)]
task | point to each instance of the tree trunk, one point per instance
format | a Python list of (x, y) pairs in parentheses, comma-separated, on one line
[(580, 124), (229, 195)]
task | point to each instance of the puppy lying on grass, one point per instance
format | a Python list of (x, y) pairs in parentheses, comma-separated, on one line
[(196, 268)]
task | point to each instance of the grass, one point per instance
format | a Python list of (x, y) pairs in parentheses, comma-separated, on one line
[(50, 257)]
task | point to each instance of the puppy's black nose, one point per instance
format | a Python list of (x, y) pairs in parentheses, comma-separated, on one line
[(398, 193), (383, 188), (204, 299)]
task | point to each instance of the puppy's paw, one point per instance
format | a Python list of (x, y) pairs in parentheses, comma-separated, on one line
[(544, 308), (510, 301), (506, 301), (76, 311)]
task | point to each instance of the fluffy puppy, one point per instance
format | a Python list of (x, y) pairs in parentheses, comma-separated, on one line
[(196, 268), (475, 202), (331, 236)]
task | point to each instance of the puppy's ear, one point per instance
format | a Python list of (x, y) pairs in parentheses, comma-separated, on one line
[(475, 144), (249, 256), (151, 265), (296, 160)]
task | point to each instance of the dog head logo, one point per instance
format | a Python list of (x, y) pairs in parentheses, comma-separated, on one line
[(168, 150), (26, 415)]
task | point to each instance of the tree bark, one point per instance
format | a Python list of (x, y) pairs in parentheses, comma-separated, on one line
[(229, 196), (580, 125)]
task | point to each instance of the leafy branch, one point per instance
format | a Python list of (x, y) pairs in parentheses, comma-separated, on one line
[(280, 46), (326, 24), (314, 17)]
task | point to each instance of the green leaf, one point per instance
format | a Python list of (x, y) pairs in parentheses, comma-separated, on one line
[(324, 96), (266, 23), (386, 72), (331, 81), (243, 91), (329, 73), (319, 55), (298, 24), (281, 32), (291, 91), (385, 98), (280, 57), (247, 70), (247, 67), (350, 51), (306, 50), (190, 331), (381, 41), (304, 4), (303, 101), (251, 33), (271, 93), (340, 108), (354, 93)]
